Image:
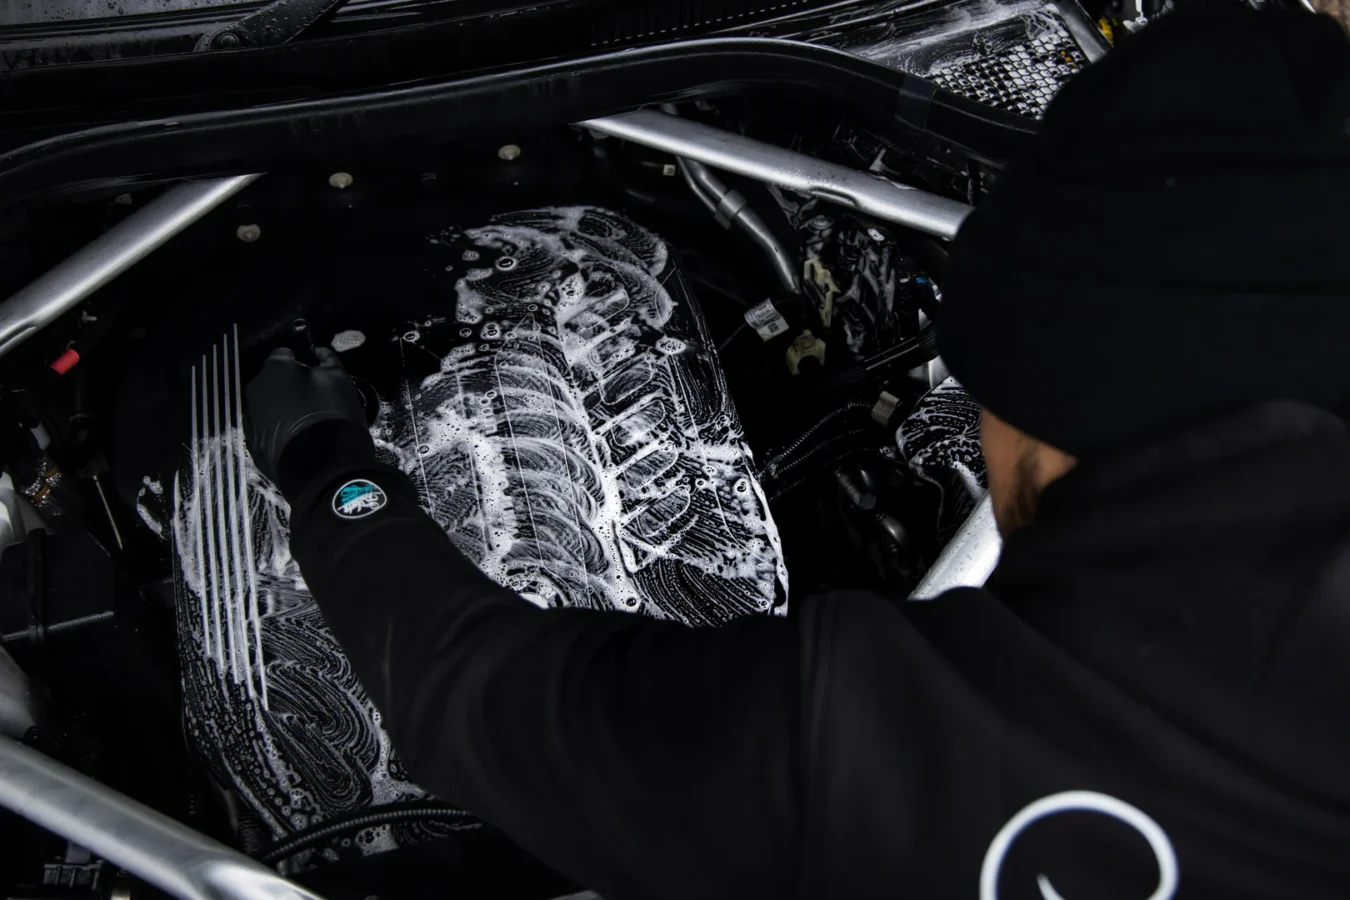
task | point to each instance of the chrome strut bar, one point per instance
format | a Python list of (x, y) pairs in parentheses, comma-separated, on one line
[(148, 844), (789, 169), (67, 284)]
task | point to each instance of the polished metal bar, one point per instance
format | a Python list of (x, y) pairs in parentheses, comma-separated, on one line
[(148, 844), (67, 284), (789, 169), (731, 208), (16, 701), (969, 557)]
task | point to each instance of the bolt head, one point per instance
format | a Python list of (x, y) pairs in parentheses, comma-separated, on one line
[(226, 41), (341, 180), (509, 152), (248, 233)]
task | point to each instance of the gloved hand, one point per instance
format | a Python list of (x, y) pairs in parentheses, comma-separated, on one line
[(287, 399)]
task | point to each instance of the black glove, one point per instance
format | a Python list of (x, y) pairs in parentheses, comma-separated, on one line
[(315, 412)]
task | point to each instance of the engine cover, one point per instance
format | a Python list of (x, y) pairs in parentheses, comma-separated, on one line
[(565, 420)]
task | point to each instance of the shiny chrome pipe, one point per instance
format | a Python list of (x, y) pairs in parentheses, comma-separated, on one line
[(71, 281), (969, 557), (16, 700), (789, 169), (730, 207), (148, 844)]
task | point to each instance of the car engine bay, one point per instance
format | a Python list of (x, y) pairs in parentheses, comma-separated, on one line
[(677, 362), (560, 381)]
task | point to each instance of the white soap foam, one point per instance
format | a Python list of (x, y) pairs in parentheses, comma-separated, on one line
[(577, 443)]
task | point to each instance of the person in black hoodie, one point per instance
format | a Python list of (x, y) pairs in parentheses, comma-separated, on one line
[(1152, 695)]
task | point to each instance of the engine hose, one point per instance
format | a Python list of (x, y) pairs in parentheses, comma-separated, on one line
[(816, 450), (694, 186), (772, 464), (847, 454), (324, 831)]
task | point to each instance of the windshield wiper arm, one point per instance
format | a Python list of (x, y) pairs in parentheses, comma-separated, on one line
[(276, 23)]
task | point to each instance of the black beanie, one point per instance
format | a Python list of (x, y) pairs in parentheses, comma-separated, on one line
[(1175, 243)]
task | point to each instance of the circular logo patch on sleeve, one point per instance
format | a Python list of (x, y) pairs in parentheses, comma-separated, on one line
[(358, 498)]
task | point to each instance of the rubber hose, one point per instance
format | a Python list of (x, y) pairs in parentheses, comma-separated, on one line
[(814, 451), (771, 465), (306, 840)]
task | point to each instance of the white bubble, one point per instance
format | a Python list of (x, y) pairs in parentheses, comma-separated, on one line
[(347, 340)]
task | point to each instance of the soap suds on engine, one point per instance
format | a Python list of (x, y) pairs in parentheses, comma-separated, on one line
[(149, 501), (574, 444), (940, 442), (565, 421)]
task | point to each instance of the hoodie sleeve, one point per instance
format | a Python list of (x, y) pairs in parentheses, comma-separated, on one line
[(616, 748)]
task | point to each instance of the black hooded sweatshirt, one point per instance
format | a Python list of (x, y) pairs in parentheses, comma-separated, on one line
[(1152, 697)]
